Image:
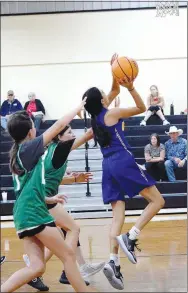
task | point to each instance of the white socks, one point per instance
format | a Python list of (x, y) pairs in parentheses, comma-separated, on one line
[(115, 258), (133, 233)]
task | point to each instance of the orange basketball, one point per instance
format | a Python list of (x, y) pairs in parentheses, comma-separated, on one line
[(124, 67)]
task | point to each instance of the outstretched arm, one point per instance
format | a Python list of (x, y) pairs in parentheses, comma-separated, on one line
[(68, 180), (115, 89), (58, 198), (59, 125), (77, 178)]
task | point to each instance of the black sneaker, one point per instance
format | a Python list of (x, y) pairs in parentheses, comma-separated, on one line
[(63, 279), (3, 258), (128, 245), (113, 274), (38, 284)]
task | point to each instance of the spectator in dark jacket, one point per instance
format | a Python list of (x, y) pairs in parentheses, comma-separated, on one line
[(11, 105), (35, 109)]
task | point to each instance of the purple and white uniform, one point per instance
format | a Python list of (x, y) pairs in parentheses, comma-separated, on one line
[(121, 174)]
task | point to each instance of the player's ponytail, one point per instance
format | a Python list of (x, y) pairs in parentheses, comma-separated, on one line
[(13, 153), (94, 106), (101, 134), (18, 127)]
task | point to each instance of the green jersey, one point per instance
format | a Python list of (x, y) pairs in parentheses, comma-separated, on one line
[(55, 165), (30, 209)]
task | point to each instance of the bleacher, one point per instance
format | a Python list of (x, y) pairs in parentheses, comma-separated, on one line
[(175, 194)]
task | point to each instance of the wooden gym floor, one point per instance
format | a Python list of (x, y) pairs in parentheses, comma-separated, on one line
[(162, 263)]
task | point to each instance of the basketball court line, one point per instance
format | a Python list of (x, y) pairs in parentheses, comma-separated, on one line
[(158, 218)]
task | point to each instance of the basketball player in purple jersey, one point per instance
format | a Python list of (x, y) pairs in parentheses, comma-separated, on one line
[(121, 175)]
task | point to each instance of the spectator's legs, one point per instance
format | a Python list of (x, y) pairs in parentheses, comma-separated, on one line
[(37, 121), (4, 122), (160, 114), (170, 166), (148, 115), (162, 117), (161, 170), (152, 170)]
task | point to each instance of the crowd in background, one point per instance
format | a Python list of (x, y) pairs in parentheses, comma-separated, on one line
[(174, 150), (161, 160), (34, 107)]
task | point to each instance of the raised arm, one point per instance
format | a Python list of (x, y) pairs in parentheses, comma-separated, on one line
[(59, 125), (115, 114), (115, 89), (117, 102)]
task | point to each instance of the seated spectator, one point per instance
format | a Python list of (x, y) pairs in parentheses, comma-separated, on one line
[(176, 152), (154, 156), (35, 109), (11, 105), (155, 103)]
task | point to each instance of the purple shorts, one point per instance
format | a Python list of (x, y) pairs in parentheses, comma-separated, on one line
[(123, 176)]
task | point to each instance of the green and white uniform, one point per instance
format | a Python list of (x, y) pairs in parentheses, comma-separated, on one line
[(30, 209)]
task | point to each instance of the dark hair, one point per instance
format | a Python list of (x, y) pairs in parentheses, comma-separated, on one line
[(94, 106), (157, 137), (56, 139), (93, 103), (18, 127)]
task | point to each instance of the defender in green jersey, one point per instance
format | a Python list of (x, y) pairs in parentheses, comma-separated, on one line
[(55, 166), (32, 220), (29, 189)]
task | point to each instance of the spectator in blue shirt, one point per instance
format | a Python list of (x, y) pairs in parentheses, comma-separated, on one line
[(11, 105), (176, 152)]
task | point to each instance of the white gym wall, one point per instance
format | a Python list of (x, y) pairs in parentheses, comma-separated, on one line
[(59, 56)]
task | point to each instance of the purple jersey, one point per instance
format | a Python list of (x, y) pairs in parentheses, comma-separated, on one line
[(118, 140), (121, 174)]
